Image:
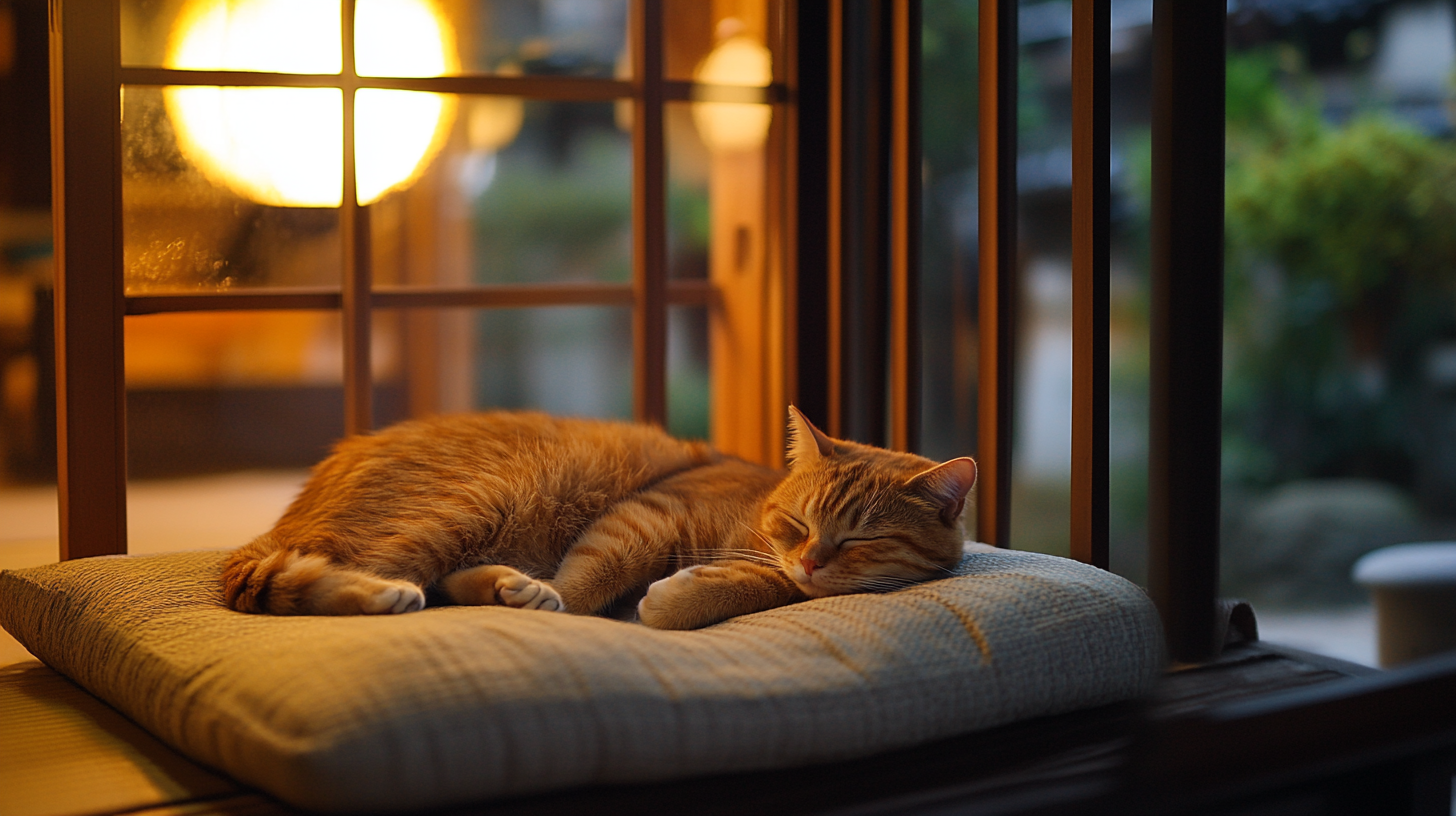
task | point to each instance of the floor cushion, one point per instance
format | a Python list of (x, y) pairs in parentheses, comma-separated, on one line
[(458, 704)]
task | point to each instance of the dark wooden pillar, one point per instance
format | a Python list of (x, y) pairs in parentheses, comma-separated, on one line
[(1187, 321)]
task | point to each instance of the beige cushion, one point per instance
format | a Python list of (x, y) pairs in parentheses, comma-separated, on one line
[(455, 704)]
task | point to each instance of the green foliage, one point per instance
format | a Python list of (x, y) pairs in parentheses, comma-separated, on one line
[(949, 53), (1361, 207), (1340, 254)]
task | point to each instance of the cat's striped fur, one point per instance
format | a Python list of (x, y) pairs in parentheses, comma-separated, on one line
[(532, 511)]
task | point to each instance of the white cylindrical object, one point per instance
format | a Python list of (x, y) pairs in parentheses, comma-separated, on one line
[(1413, 587)]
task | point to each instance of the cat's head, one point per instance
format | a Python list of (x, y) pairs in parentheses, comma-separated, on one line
[(855, 518)]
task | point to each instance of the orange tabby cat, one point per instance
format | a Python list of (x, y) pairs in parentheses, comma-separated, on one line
[(537, 512)]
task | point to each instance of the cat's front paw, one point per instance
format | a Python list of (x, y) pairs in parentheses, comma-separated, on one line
[(668, 603), (392, 598), (524, 592)]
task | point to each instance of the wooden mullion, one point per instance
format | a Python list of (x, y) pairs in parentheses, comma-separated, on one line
[(998, 64), (834, 283), (86, 188), (812, 201), (688, 292), (557, 88), (649, 216), (302, 298), (564, 89), (677, 90), (354, 229), (1091, 118), (905, 171)]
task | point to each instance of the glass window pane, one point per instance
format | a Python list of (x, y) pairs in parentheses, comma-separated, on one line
[(238, 349), (721, 212), (948, 261), (287, 36), (1042, 436), (689, 401), (204, 211), (723, 43), (225, 413), (520, 192), (392, 37), (516, 37), (568, 360), (689, 206), (1340, 309)]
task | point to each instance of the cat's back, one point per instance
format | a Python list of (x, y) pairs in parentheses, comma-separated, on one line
[(519, 467), (511, 450)]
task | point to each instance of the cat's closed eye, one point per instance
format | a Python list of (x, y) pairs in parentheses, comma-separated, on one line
[(789, 530)]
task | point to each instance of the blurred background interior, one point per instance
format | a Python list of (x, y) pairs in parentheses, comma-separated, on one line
[(1340, 307)]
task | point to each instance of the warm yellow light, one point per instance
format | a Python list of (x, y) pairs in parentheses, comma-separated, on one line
[(728, 127), (284, 146), (492, 122)]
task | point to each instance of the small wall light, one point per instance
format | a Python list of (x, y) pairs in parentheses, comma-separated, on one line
[(739, 59)]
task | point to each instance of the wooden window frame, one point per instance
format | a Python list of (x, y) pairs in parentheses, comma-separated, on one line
[(850, 350), (91, 303)]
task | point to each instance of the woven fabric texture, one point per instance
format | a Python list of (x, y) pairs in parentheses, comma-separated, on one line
[(458, 704)]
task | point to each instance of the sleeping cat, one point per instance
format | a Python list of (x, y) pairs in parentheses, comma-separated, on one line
[(574, 515)]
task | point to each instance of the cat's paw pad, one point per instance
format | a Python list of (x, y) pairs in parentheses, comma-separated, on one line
[(393, 598), (523, 592)]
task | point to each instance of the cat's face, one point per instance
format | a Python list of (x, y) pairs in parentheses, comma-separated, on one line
[(852, 518)]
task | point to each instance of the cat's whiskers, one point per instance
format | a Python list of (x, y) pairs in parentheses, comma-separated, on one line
[(747, 555), (722, 554)]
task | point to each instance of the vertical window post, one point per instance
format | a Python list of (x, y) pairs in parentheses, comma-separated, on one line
[(905, 171), (1091, 119), (1185, 379), (649, 215), (998, 52), (354, 229), (90, 391)]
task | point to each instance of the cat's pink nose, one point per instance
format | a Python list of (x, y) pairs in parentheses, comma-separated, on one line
[(809, 565)]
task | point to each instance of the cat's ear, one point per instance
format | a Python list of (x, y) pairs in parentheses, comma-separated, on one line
[(806, 442), (947, 485)]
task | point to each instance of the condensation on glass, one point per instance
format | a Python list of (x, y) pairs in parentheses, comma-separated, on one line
[(188, 226)]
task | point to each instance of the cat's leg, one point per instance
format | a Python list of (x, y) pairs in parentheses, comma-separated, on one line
[(298, 584), (491, 584), (706, 594), (625, 549)]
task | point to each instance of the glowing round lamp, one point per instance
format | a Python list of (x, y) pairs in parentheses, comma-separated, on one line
[(284, 146), (732, 127)]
